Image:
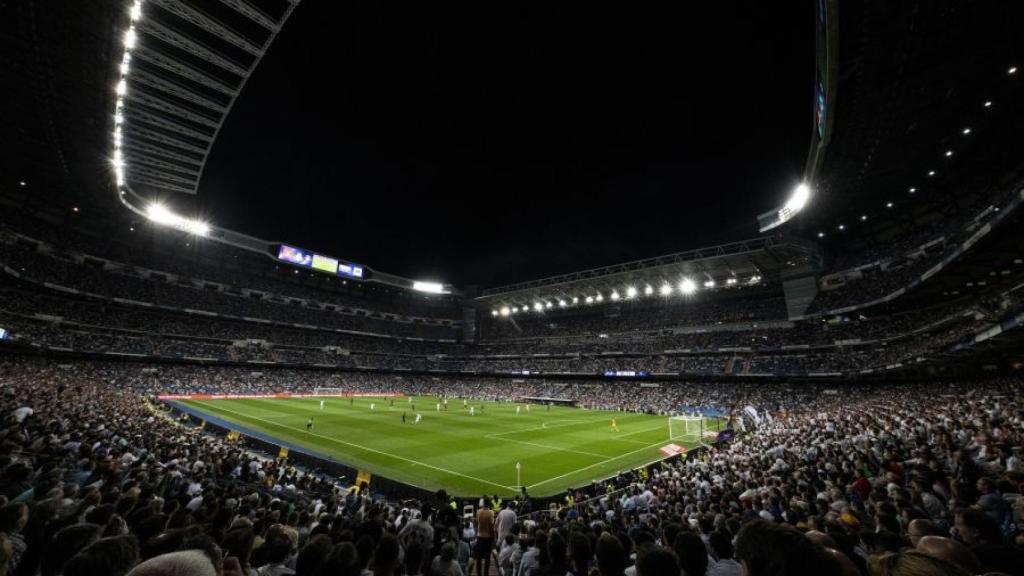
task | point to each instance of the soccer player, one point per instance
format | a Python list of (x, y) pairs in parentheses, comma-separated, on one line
[(309, 425), (472, 410), (419, 417), (403, 417), (321, 404), (517, 410), (372, 405), (438, 406), (527, 408), (615, 425), (464, 402), (351, 400)]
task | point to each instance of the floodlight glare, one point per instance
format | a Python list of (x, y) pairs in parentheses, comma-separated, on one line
[(599, 297), (731, 281), (538, 306), (575, 299), (494, 312), (162, 215), (687, 287), (709, 283), (631, 292), (648, 290), (590, 299), (665, 290), (561, 304), (428, 287), (615, 295), (547, 304)]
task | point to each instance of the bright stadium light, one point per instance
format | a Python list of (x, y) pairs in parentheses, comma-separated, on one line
[(709, 283), (162, 215), (515, 309), (428, 287), (599, 297), (129, 38), (665, 290), (590, 300), (966, 131), (575, 299), (796, 202), (754, 280), (494, 312), (1012, 70), (615, 295), (631, 292), (731, 281), (547, 304), (121, 88), (538, 306), (648, 290), (687, 287), (136, 11), (562, 304)]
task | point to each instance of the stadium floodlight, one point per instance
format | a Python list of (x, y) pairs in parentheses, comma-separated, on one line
[(966, 131), (1012, 70), (631, 292), (888, 204), (988, 103), (842, 227), (863, 217), (687, 287), (731, 281), (931, 172), (494, 312), (599, 297), (562, 304), (665, 290), (949, 153), (130, 38), (122, 88), (428, 287), (754, 280), (575, 299), (547, 304), (820, 235), (648, 290), (538, 306), (136, 11), (162, 215), (912, 190), (709, 283), (615, 295), (590, 300)]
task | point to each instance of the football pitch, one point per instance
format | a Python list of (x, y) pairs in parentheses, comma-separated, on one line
[(557, 448)]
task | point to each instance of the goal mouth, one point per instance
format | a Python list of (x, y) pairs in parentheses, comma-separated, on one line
[(686, 428)]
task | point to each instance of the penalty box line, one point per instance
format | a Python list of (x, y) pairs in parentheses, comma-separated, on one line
[(374, 450)]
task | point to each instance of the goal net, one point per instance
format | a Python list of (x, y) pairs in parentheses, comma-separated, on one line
[(686, 428)]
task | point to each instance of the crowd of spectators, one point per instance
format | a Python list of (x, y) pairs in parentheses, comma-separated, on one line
[(854, 479)]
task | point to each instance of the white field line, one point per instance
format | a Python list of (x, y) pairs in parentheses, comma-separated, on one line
[(558, 448), (368, 449), (542, 482)]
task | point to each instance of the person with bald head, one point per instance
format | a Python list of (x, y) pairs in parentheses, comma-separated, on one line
[(949, 550), (920, 528)]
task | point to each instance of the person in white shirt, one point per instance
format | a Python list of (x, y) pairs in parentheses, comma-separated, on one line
[(321, 404), (418, 418)]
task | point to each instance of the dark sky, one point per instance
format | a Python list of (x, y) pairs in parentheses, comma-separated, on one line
[(495, 142)]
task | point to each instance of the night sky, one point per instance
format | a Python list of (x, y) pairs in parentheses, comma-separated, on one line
[(495, 143)]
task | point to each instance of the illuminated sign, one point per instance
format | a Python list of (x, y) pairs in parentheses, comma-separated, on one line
[(350, 270), (325, 264), (295, 256)]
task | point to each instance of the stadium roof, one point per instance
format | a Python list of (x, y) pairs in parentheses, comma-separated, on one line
[(926, 114), (750, 262)]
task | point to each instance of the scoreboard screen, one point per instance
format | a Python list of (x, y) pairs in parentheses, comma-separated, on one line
[(325, 264), (293, 255), (319, 262)]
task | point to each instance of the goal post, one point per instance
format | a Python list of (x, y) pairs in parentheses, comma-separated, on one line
[(686, 428)]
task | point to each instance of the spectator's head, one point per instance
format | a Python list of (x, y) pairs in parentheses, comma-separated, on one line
[(67, 542), (975, 527), (920, 528), (913, 563), (766, 549), (691, 553), (312, 555), (13, 517), (949, 550), (655, 561), (720, 544), (611, 556), (113, 556), (181, 563)]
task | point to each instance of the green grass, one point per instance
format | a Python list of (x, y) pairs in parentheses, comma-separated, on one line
[(466, 455)]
